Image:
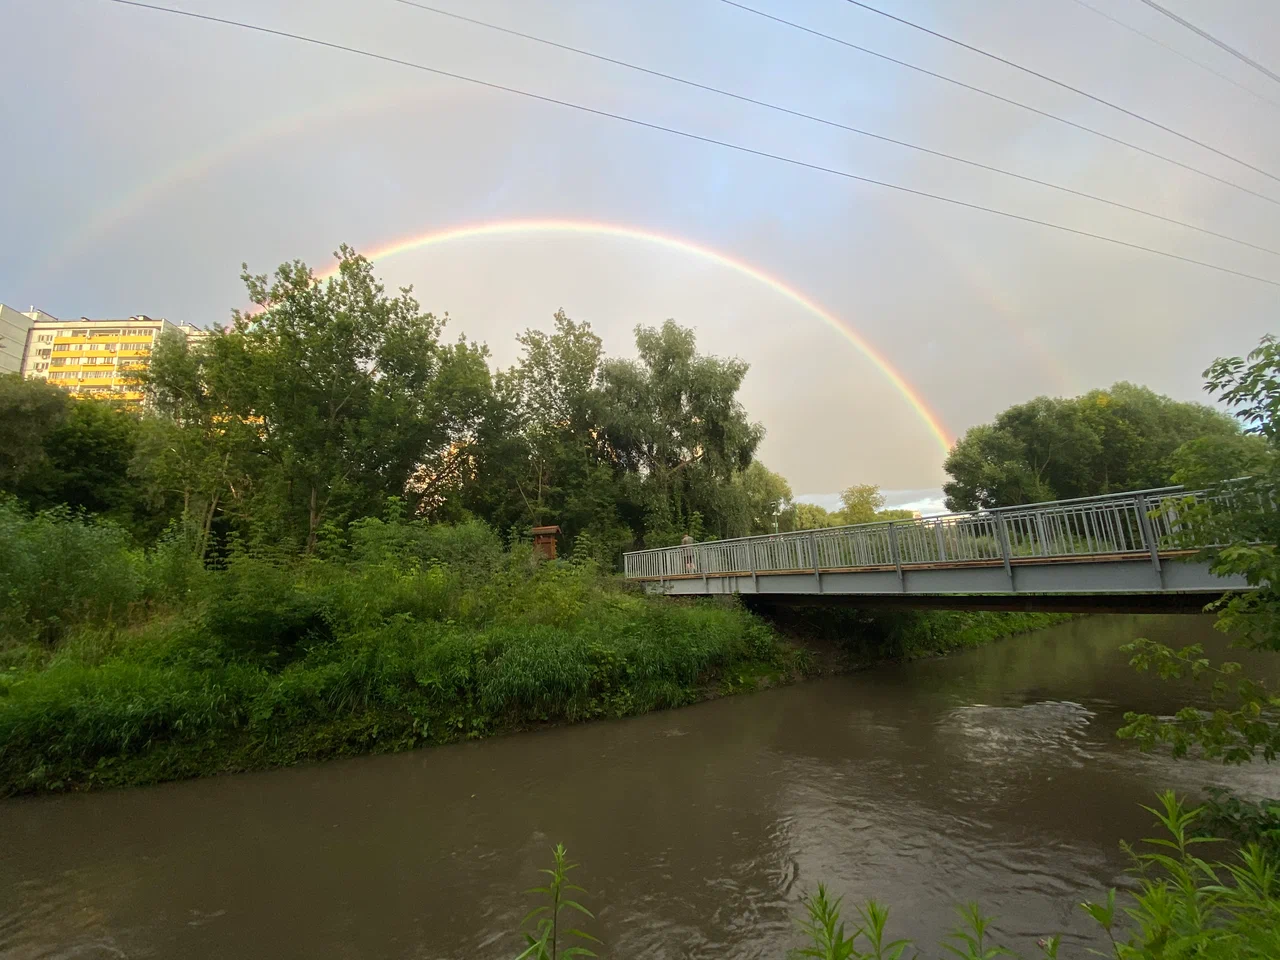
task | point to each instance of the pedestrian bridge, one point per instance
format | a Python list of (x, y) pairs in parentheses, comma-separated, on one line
[(1132, 551)]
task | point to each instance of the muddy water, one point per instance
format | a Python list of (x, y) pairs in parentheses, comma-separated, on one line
[(993, 776)]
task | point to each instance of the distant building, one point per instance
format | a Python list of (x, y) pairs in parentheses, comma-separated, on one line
[(14, 325), (96, 359), (194, 334)]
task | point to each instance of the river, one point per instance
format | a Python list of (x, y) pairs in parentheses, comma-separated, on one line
[(993, 775)]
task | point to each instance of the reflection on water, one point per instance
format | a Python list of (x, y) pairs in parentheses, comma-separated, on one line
[(993, 776)]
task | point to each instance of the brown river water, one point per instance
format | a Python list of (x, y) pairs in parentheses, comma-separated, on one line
[(992, 776)]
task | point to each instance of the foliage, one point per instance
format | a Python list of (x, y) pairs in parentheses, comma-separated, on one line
[(1123, 438), (549, 931), (29, 411), (861, 503), (1241, 821), (58, 451), (1245, 720), (337, 391), (58, 569), (155, 667), (1186, 906)]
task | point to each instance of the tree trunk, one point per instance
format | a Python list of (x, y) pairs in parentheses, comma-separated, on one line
[(313, 520)]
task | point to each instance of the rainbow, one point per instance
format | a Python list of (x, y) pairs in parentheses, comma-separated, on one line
[(505, 228)]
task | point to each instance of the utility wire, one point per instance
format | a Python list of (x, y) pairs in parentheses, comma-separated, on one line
[(1212, 39), (830, 123), (1176, 52), (436, 71), (995, 96), (1067, 86)]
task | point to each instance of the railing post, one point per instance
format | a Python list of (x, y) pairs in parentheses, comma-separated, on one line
[(1148, 531), (817, 571), (1003, 532), (942, 544), (897, 557), (751, 558), (1041, 535)]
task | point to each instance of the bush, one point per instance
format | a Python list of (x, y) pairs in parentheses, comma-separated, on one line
[(260, 613), (58, 569), (268, 663)]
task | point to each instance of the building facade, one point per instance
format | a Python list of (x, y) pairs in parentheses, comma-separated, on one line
[(97, 359), (14, 325)]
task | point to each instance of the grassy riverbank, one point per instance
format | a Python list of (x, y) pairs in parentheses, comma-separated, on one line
[(119, 666)]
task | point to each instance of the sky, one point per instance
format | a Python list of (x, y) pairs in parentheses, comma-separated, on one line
[(147, 156)]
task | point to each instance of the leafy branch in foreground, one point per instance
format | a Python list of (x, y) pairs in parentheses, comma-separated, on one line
[(544, 943), (1244, 721)]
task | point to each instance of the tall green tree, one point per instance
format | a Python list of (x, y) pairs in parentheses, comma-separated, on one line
[(766, 496), (673, 422), (1123, 438), (325, 402), (30, 410)]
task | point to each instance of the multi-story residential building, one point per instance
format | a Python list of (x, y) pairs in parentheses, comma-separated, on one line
[(93, 358), (14, 325)]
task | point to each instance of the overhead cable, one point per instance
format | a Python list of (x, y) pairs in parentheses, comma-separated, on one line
[(845, 174), (1066, 86), (1003, 99), (427, 8)]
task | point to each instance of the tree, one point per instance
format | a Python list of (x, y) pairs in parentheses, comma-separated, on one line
[(861, 503), (1246, 722), (88, 457), (1123, 438), (766, 495), (315, 409), (30, 410), (673, 426)]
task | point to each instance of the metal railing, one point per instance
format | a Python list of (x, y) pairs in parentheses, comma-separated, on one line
[(1126, 524)]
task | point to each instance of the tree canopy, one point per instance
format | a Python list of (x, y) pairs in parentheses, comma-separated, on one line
[(1124, 438)]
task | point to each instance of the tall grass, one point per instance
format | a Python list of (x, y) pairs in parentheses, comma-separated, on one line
[(415, 635)]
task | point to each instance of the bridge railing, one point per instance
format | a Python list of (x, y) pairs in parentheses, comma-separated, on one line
[(1137, 523)]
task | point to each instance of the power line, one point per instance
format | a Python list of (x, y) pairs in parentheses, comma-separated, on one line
[(1003, 99), (436, 71), (1176, 52), (1212, 39), (1064, 85), (830, 123)]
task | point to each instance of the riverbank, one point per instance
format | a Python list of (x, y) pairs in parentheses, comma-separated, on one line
[(266, 664)]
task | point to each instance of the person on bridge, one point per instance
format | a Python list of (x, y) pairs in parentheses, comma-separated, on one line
[(687, 542)]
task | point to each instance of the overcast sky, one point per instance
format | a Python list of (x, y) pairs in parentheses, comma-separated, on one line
[(147, 155)]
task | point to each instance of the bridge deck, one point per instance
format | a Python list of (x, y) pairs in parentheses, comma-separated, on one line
[(1128, 544)]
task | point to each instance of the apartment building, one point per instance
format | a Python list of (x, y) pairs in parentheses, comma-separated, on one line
[(96, 359), (14, 325)]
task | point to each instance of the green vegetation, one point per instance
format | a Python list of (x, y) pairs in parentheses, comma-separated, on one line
[(1245, 722), (1124, 438), (145, 666), (1179, 906), (122, 665)]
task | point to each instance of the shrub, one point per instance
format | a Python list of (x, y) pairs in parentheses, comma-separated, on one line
[(259, 612), (58, 569)]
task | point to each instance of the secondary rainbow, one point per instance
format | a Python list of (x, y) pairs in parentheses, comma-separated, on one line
[(591, 228)]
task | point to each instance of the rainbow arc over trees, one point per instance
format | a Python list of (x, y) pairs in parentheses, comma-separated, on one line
[(505, 228)]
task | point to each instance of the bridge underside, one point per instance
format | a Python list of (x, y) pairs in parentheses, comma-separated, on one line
[(1130, 584)]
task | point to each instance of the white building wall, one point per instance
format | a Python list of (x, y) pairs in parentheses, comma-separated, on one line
[(14, 325)]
